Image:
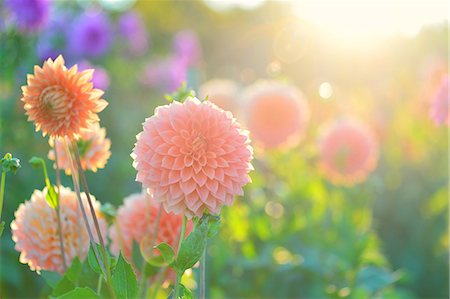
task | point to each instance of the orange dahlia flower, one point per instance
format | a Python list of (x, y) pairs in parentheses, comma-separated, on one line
[(35, 231), (349, 152), (194, 157), (61, 101), (93, 146), (136, 220), (276, 114)]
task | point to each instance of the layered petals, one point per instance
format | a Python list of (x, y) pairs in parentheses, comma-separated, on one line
[(194, 157), (36, 236), (61, 102)]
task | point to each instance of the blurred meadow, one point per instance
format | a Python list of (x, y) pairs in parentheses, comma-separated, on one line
[(298, 232)]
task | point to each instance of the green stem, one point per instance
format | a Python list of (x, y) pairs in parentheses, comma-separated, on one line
[(180, 275), (143, 284), (2, 192), (61, 241), (202, 275), (159, 282), (177, 286), (99, 284), (58, 212), (94, 216), (76, 186), (182, 233)]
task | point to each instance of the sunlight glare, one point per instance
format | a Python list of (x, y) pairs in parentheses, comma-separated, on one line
[(367, 19)]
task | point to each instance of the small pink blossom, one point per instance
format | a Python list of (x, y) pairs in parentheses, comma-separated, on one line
[(348, 152)]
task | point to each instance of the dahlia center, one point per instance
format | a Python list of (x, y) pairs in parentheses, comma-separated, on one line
[(55, 101), (196, 147)]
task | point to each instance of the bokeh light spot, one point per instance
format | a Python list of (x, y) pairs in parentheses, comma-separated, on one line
[(282, 256), (289, 44), (344, 292), (325, 90), (274, 209)]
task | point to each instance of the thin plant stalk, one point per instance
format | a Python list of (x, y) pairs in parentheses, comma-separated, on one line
[(76, 186), (99, 284), (58, 211), (2, 191), (159, 281), (182, 233), (202, 275), (94, 216), (179, 275), (152, 243)]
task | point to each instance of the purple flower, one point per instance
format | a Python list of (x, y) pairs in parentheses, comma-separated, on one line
[(90, 35), (133, 30), (100, 78), (187, 47), (167, 75), (440, 105), (29, 15), (51, 41)]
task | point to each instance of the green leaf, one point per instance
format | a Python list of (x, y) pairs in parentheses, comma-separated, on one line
[(167, 252), (180, 95), (80, 293), (124, 280), (136, 255), (52, 197), (157, 261), (92, 259), (62, 287), (9, 163), (109, 211), (74, 271), (192, 247), (2, 227), (51, 278), (185, 293), (83, 146), (213, 225), (151, 270)]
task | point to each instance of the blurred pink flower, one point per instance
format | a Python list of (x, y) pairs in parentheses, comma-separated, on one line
[(100, 78), (222, 92), (440, 105), (136, 220), (93, 146), (276, 114), (132, 28), (186, 46), (349, 152), (194, 157), (166, 75), (35, 231)]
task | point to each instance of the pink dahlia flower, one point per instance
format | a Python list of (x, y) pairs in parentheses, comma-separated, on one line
[(440, 105), (35, 231), (93, 146), (349, 152), (276, 114), (222, 92), (136, 220), (194, 157)]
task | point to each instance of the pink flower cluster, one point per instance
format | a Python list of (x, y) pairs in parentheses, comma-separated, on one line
[(36, 236)]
